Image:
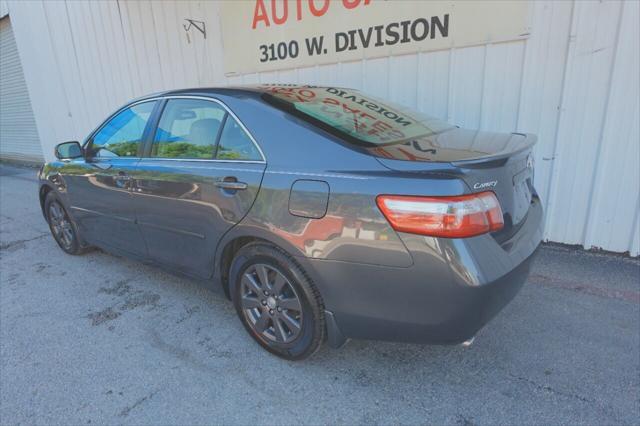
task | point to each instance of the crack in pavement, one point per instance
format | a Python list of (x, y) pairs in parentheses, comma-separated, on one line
[(126, 410), (605, 409), (550, 389), (11, 244)]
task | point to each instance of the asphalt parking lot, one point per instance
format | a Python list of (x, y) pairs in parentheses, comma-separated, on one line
[(97, 339)]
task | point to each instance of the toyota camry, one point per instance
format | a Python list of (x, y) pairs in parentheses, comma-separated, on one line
[(322, 213)]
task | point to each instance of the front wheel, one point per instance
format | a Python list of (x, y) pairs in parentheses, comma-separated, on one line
[(62, 228), (277, 302)]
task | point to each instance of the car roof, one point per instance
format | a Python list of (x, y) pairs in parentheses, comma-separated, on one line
[(254, 90)]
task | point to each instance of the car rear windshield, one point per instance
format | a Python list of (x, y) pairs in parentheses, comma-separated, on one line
[(354, 116)]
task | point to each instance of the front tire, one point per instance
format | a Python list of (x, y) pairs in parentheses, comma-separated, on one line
[(276, 301), (62, 227)]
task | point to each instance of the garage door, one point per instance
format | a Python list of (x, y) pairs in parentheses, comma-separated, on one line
[(18, 134)]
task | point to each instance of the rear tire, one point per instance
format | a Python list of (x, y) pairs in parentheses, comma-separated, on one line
[(276, 301), (62, 227)]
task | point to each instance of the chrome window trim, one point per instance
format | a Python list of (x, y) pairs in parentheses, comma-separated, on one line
[(228, 110), (99, 159), (202, 160)]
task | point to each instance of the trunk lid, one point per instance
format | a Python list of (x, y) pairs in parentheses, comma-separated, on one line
[(498, 162)]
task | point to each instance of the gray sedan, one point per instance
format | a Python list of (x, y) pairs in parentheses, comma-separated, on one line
[(323, 213)]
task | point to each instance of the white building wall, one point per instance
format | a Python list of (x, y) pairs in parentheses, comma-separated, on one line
[(573, 82)]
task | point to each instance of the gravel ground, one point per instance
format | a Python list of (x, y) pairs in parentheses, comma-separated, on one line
[(98, 339)]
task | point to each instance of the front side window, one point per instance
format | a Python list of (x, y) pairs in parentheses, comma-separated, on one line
[(235, 144), (188, 128), (122, 135)]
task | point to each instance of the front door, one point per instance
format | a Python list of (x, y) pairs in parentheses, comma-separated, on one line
[(199, 177), (99, 186)]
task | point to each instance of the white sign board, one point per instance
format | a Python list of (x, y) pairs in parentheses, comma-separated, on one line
[(262, 35)]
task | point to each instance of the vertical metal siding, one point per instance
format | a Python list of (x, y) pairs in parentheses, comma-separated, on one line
[(18, 134), (573, 82), (615, 197), (583, 108)]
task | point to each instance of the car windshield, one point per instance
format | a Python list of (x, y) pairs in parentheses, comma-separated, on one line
[(354, 116)]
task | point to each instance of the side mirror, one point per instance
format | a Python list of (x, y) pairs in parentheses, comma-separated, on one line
[(68, 150)]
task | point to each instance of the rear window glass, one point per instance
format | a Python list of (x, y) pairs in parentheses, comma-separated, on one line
[(353, 115), (235, 144), (188, 128)]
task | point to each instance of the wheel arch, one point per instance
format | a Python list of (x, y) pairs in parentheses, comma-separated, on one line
[(236, 239), (42, 193), (226, 257)]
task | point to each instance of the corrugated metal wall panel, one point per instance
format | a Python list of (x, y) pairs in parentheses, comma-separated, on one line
[(615, 196), (18, 133), (587, 82), (573, 82), (635, 233), (542, 82), (502, 86), (432, 88)]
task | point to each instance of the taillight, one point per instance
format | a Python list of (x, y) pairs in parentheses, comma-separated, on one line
[(449, 217)]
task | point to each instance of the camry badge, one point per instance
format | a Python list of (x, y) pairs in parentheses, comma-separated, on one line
[(483, 185)]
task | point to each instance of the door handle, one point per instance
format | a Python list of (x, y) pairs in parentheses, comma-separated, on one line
[(231, 183)]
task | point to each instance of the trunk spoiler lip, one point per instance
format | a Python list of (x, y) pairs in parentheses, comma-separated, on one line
[(449, 167), (529, 141)]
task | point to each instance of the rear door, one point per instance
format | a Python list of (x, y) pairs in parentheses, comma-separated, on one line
[(198, 177)]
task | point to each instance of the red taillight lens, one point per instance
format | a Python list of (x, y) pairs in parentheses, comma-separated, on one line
[(449, 217)]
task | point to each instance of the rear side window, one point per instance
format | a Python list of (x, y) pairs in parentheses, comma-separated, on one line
[(235, 144), (188, 128), (122, 135)]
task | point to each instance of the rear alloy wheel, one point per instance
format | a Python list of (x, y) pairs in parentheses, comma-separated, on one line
[(62, 228), (276, 301), (270, 304)]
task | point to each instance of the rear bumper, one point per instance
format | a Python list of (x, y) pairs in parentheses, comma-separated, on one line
[(450, 292), (421, 318)]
